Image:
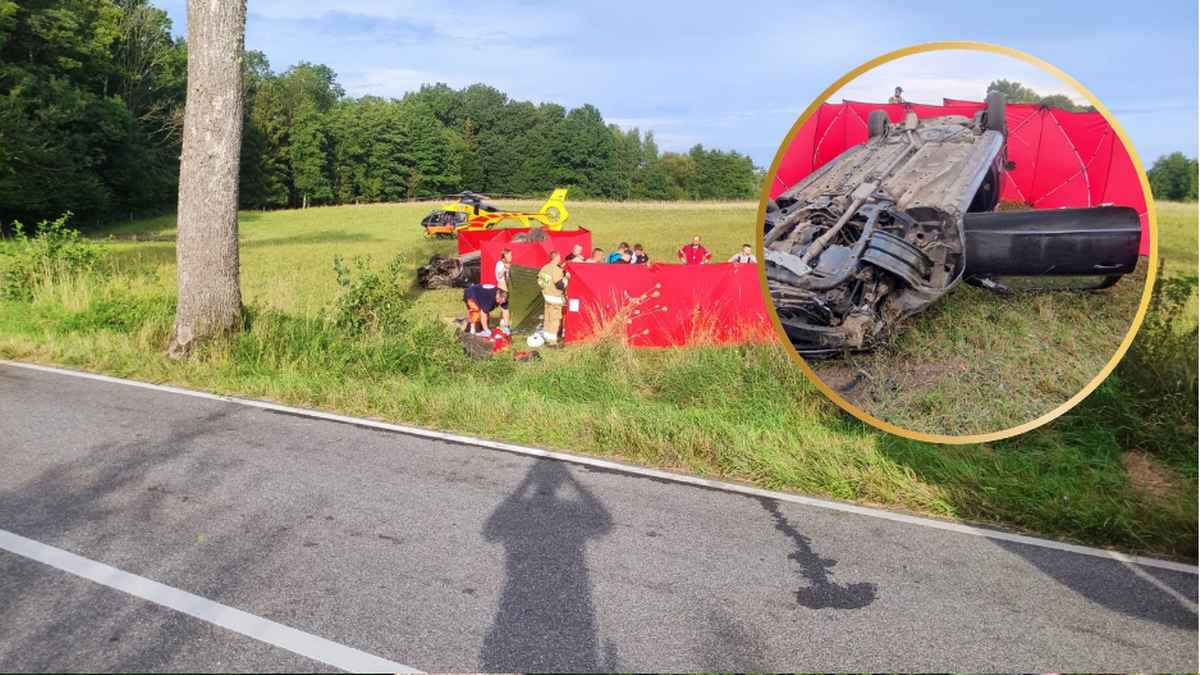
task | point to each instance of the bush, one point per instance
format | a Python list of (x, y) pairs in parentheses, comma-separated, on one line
[(373, 301), (52, 254)]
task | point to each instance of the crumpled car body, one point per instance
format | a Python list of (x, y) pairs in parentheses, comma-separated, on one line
[(882, 231)]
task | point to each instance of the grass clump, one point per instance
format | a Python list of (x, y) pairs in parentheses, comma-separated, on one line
[(1150, 400), (371, 301)]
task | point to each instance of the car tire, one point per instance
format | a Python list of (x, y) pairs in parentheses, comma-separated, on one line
[(877, 123), (996, 112)]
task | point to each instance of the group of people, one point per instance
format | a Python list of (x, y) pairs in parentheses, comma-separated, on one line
[(692, 254), (623, 254), (481, 300)]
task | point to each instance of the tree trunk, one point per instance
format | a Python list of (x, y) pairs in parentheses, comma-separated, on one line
[(210, 296)]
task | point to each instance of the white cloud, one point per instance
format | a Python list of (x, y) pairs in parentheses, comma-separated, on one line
[(960, 74), (484, 22), (395, 82), (669, 142)]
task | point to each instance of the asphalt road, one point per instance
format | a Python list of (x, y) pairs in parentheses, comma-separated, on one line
[(447, 557)]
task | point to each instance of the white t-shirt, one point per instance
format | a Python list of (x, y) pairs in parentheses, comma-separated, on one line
[(501, 272), (742, 258)]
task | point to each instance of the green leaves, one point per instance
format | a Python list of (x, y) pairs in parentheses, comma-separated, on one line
[(89, 92), (53, 253), (1174, 178)]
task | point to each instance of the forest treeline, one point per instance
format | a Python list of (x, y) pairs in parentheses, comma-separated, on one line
[(91, 103), (91, 99), (306, 143)]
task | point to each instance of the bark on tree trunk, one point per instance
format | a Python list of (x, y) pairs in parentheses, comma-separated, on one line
[(210, 296)]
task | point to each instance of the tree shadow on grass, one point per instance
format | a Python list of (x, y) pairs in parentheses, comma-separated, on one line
[(308, 238), (546, 622)]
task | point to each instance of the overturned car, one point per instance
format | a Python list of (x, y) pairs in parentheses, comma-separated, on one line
[(891, 225)]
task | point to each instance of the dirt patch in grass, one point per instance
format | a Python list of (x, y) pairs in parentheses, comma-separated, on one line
[(865, 387), (1145, 475)]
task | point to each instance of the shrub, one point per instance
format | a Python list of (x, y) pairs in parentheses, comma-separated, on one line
[(52, 254), (371, 301)]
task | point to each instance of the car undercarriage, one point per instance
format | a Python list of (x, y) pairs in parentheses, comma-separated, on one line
[(891, 225)]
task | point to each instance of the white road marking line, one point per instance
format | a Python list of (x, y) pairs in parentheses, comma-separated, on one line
[(1157, 583), (258, 628), (844, 507)]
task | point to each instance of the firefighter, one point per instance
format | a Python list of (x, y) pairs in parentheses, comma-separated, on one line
[(553, 281)]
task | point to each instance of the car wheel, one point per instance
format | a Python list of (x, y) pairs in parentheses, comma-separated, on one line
[(877, 123), (996, 107)]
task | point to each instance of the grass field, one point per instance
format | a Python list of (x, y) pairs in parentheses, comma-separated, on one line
[(1177, 236), (1118, 471), (287, 256)]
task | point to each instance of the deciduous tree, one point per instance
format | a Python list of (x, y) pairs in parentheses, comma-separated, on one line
[(1174, 177), (210, 298)]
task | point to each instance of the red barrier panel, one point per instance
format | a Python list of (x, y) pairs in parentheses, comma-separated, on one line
[(1063, 159), (529, 254), (472, 240), (660, 305)]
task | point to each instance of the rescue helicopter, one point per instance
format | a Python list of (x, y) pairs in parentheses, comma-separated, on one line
[(472, 213)]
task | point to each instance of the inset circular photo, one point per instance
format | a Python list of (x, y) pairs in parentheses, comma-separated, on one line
[(958, 242)]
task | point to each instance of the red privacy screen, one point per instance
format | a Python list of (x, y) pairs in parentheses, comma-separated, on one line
[(1063, 158), (660, 305), (530, 254), (471, 240)]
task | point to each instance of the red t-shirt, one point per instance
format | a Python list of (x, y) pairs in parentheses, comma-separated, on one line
[(694, 255)]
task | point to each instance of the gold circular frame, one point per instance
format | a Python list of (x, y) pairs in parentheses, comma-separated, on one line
[(1137, 319)]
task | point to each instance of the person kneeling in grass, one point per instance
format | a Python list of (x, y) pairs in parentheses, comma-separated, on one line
[(481, 301)]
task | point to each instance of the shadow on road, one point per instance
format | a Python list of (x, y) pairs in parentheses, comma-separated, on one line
[(821, 593), (75, 501), (1162, 596), (546, 622)]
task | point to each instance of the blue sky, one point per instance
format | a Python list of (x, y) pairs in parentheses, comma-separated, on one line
[(737, 75)]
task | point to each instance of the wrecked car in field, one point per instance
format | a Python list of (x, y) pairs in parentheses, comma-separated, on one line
[(891, 225)]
